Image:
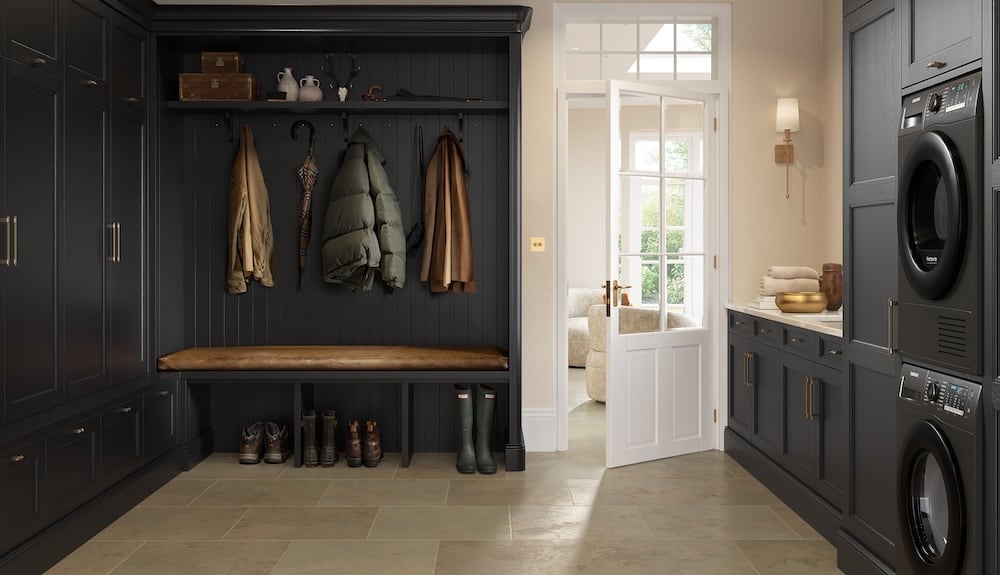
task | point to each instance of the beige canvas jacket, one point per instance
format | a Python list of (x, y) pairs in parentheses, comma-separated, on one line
[(251, 239)]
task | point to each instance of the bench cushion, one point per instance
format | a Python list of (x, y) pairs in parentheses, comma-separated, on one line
[(334, 358)]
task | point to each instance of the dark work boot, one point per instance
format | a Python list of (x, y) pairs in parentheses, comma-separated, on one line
[(373, 445), (352, 447), (328, 453), (277, 446), (465, 460), (486, 399), (310, 455)]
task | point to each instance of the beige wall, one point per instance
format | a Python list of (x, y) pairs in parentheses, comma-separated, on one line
[(833, 132), (585, 251), (780, 48)]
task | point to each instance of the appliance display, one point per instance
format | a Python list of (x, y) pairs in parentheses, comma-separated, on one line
[(940, 468), (939, 220)]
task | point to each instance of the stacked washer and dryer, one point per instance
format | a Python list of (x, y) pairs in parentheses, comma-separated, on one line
[(939, 421)]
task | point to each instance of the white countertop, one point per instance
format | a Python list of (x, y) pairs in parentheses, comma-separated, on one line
[(802, 320)]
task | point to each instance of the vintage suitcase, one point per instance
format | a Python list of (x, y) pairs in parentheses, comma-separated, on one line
[(218, 87), (221, 62)]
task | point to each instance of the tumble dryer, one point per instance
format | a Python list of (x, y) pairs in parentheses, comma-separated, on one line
[(940, 229)]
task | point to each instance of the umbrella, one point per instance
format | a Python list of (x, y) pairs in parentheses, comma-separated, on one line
[(307, 175)]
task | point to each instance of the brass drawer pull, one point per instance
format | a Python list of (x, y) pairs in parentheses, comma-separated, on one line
[(936, 64), (17, 459), (764, 330), (78, 431), (90, 83), (36, 62), (125, 410), (795, 340), (834, 352), (163, 392)]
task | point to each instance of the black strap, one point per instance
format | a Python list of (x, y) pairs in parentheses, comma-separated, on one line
[(416, 234)]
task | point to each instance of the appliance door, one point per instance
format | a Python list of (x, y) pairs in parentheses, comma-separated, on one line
[(933, 211), (931, 508)]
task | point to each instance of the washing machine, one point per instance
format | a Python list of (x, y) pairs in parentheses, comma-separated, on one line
[(940, 469), (939, 225)]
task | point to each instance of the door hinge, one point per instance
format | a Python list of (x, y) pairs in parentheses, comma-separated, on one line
[(715, 262), (715, 124), (715, 416)]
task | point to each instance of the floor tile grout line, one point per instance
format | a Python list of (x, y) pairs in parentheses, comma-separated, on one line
[(126, 558), (745, 557), (371, 527), (283, 554), (203, 492), (437, 557), (782, 519), (233, 526)]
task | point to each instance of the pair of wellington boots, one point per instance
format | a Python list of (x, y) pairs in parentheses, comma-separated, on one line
[(312, 453), (475, 449)]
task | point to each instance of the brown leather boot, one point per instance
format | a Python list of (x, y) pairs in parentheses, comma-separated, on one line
[(373, 445), (328, 452), (352, 447)]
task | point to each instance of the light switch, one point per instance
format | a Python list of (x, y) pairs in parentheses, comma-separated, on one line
[(537, 244)]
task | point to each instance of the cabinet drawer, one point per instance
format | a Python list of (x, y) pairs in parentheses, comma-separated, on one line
[(801, 342), (21, 471), (121, 436), (71, 461), (159, 417), (767, 331), (831, 352), (740, 323)]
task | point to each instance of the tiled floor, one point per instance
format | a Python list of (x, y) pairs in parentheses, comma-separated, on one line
[(698, 514)]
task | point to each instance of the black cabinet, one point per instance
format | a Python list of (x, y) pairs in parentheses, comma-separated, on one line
[(71, 456), (871, 116), (86, 29), (741, 395), (939, 36), (31, 34), (28, 216), (22, 469), (121, 440), (765, 364), (159, 419)]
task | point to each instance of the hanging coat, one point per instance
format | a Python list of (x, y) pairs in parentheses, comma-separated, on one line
[(447, 252), (363, 229), (251, 242)]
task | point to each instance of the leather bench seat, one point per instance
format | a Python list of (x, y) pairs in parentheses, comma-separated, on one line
[(334, 358)]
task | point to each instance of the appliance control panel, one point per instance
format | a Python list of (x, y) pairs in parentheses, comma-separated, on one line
[(955, 100), (938, 392)]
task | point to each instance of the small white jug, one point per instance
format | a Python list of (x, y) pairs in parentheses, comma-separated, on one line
[(288, 85), (309, 90)]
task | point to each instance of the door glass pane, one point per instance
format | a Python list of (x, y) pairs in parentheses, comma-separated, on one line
[(619, 37), (643, 312), (640, 215), (929, 507)]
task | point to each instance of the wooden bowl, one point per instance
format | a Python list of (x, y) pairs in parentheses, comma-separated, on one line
[(800, 301)]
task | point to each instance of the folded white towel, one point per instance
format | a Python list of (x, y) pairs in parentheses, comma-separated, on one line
[(792, 272), (771, 286)]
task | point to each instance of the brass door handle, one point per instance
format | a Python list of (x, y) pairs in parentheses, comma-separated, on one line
[(118, 242), (750, 369), (17, 459), (808, 382), (746, 382), (889, 327), (7, 228)]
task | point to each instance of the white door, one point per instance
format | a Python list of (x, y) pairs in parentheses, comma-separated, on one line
[(661, 190)]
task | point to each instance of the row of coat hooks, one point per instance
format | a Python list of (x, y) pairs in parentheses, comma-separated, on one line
[(230, 129)]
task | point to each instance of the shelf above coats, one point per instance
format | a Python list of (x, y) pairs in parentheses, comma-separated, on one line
[(330, 106)]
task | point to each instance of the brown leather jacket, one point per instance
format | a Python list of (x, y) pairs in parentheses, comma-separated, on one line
[(251, 241)]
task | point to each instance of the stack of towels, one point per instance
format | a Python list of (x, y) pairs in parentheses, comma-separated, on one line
[(784, 278)]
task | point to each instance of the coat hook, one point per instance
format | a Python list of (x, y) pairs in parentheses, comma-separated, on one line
[(312, 131)]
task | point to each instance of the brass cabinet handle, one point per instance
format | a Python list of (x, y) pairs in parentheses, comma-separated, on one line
[(795, 340), (889, 327), (163, 392), (746, 382), (111, 228), (764, 330), (17, 459), (125, 410), (738, 322), (808, 381), (118, 242), (936, 64), (834, 352), (13, 223), (35, 62), (7, 228), (749, 369), (90, 83), (78, 431)]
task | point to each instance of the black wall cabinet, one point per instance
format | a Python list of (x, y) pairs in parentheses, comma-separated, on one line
[(939, 36), (31, 34)]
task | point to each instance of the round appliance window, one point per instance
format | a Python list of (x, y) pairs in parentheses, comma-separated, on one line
[(929, 216), (929, 507)]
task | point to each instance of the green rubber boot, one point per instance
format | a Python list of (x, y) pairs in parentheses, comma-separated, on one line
[(486, 400), (465, 461)]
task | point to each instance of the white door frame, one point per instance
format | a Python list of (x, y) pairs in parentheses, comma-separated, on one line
[(715, 319)]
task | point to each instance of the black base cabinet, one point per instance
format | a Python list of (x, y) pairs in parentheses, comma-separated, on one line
[(787, 415), (72, 475), (22, 472)]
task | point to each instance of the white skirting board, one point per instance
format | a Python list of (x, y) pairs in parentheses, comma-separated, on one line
[(540, 429)]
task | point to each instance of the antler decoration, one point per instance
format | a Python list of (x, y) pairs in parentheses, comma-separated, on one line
[(329, 69)]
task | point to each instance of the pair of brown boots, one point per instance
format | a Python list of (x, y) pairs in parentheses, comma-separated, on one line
[(369, 451)]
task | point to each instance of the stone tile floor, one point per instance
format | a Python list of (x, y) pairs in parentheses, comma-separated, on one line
[(697, 514)]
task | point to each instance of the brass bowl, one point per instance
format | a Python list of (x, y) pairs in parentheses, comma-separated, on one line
[(800, 301)]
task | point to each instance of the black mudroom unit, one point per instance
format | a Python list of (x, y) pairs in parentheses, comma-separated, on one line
[(115, 209)]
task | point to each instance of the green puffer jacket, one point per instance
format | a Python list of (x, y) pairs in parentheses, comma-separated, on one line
[(363, 230)]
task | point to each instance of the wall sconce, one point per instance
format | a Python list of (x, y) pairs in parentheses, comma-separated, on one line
[(787, 121)]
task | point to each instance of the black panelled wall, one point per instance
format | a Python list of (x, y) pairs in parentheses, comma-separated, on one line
[(201, 144)]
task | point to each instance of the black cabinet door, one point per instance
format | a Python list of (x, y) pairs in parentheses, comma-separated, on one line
[(799, 431), (30, 195), (22, 469), (31, 34), (939, 36), (71, 464), (871, 114), (86, 29), (121, 441), (159, 415), (766, 381), (829, 407), (129, 153), (86, 244), (741, 394)]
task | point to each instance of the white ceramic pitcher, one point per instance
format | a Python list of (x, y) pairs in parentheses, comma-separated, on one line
[(288, 85)]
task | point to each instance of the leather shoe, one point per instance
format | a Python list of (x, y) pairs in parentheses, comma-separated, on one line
[(252, 443), (276, 444), (352, 447), (373, 445)]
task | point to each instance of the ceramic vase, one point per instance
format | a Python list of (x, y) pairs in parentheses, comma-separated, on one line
[(309, 90), (288, 85), (832, 284)]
